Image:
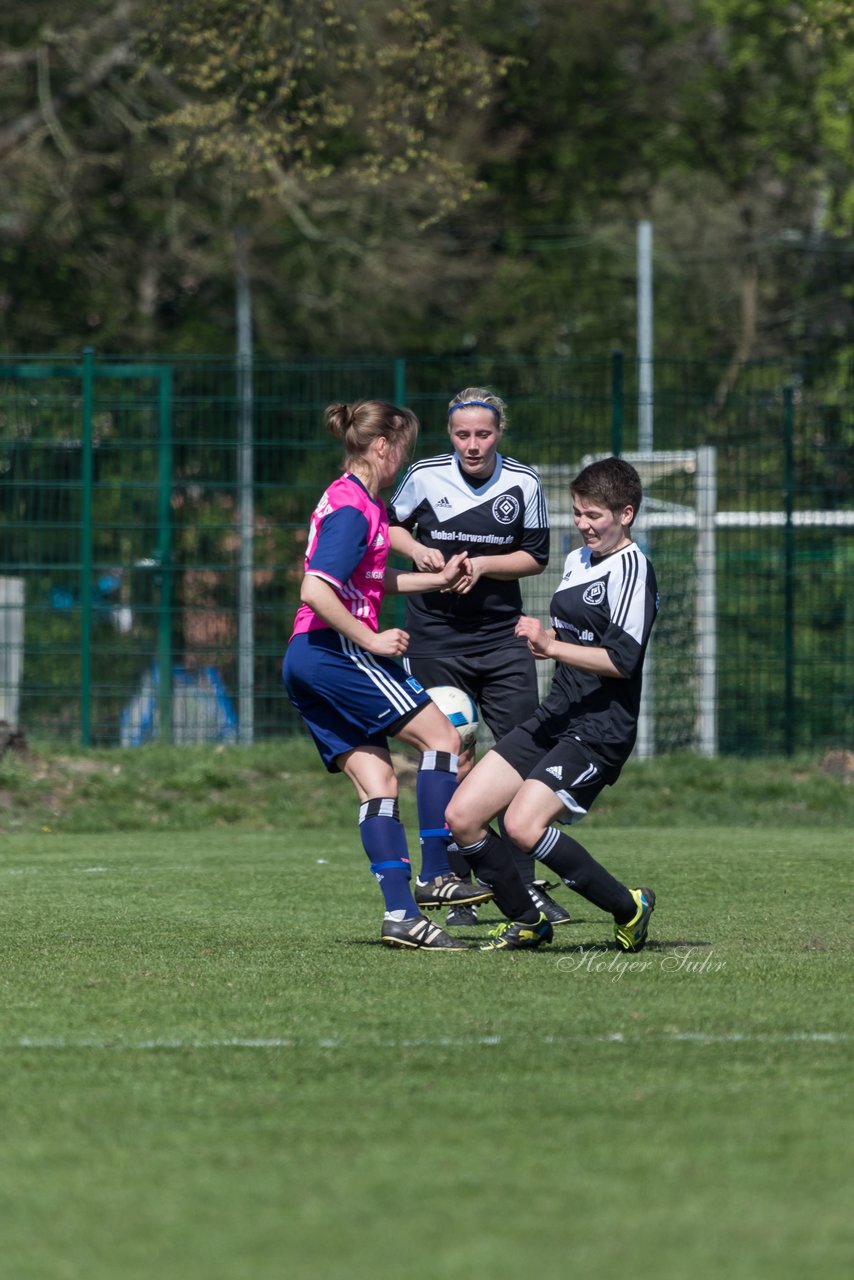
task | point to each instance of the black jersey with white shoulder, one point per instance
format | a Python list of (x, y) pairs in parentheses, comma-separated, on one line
[(609, 602), (442, 508)]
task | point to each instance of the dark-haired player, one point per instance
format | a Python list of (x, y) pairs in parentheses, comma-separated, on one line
[(553, 766)]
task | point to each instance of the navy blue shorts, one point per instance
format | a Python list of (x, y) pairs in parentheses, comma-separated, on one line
[(346, 696)]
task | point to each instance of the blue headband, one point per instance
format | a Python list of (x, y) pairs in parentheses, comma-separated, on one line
[(474, 404)]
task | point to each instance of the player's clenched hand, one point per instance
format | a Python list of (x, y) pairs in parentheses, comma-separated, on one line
[(428, 559), (392, 643), (465, 584), (539, 639), (457, 572)]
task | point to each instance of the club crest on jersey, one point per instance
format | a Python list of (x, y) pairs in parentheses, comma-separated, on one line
[(595, 593), (505, 509)]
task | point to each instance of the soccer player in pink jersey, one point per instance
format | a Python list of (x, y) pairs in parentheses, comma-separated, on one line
[(342, 676)]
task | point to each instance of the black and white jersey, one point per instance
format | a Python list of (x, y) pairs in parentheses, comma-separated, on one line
[(442, 508), (609, 602)]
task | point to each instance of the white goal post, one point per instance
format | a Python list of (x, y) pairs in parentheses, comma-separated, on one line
[(11, 647)]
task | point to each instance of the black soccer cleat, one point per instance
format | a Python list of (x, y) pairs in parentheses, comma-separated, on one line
[(418, 934), (450, 891), (553, 911), (462, 917)]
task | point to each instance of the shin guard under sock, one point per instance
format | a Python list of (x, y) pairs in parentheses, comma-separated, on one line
[(384, 841), (434, 786)]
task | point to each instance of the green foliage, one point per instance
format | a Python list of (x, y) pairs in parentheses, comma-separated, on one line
[(426, 177), (356, 95), (707, 119)]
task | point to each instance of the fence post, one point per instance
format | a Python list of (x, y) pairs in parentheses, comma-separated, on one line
[(87, 378), (246, 498), (616, 403), (164, 557), (400, 380), (789, 570)]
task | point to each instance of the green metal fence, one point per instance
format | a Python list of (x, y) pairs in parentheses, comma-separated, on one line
[(151, 553)]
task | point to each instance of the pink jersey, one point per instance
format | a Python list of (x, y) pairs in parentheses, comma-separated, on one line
[(348, 548)]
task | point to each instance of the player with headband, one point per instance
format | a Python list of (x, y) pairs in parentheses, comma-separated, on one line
[(478, 501)]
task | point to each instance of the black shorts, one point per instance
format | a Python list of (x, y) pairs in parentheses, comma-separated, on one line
[(501, 683), (563, 763)]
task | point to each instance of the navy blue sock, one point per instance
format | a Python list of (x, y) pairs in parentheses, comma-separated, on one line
[(384, 841), (584, 874), (434, 786)]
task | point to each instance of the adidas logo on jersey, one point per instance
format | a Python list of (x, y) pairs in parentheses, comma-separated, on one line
[(556, 771), (443, 502)]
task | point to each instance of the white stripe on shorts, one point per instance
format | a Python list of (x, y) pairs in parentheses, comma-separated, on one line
[(586, 775), (397, 694)]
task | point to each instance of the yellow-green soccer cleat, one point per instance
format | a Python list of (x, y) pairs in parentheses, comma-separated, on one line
[(517, 936), (632, 936)]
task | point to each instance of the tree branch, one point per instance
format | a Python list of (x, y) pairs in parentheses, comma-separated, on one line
[(119, 55)]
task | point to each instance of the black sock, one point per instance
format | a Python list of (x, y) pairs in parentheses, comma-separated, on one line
[(457, 862), (584, 874), (492, 860), (524, 861)]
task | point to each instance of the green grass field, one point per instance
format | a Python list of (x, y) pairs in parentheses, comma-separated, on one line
[(213, 1070)]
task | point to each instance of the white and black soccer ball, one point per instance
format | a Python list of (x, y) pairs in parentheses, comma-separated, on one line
[(459, 709)]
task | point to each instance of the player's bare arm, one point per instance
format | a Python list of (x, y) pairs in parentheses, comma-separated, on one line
[(507, 568), (425, 559), (453, 572), (324, 600), (543, 644)]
